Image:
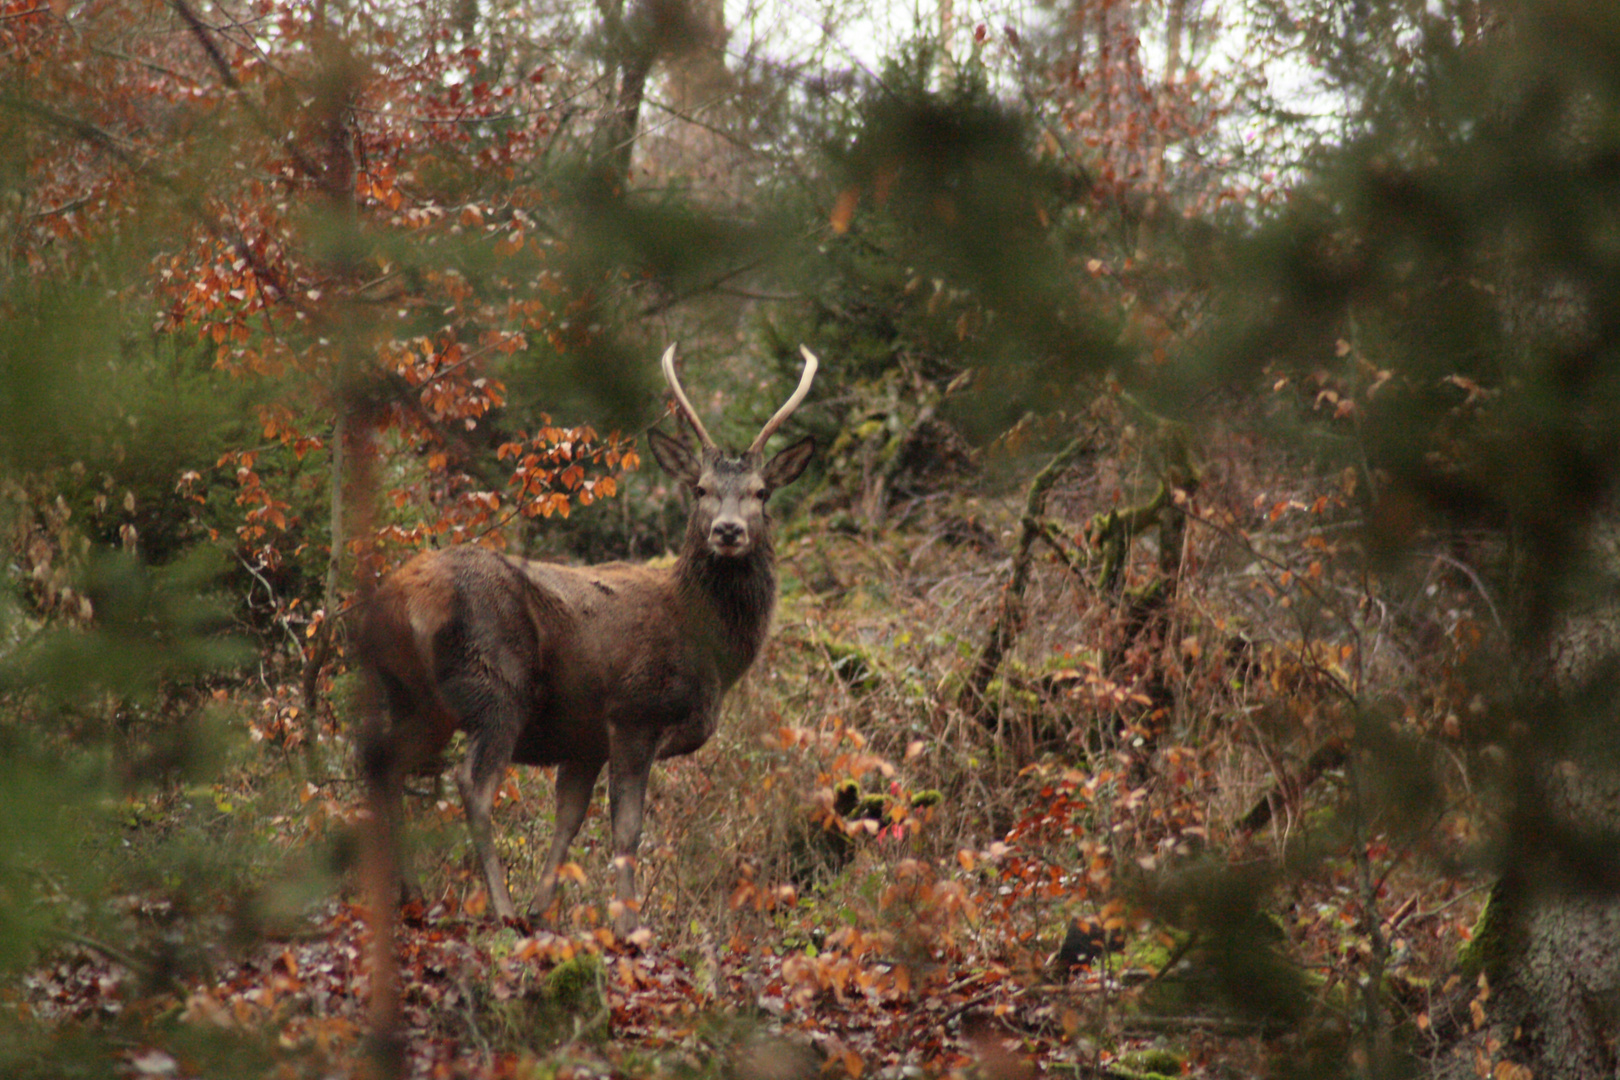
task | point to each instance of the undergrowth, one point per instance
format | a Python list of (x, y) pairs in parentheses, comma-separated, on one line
[(853, 835)]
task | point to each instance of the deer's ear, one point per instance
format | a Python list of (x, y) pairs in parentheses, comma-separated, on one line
[(675, 456), (785, 467)]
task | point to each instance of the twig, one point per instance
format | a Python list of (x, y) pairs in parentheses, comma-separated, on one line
[(1330, 755), (981, 998), (1464, 895), (1322, 599), (38, 9), (1479, 586), (1173, 959), (1050, 537), (270, 593), (1214, 1025), (111, 952)]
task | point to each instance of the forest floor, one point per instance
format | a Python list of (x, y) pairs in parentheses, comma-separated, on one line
[(855, 878), (490, 1001)]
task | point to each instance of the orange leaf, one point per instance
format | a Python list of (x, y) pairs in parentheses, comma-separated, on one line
[(844, 210)]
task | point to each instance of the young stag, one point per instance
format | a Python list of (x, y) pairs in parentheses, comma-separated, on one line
[(579, 667)]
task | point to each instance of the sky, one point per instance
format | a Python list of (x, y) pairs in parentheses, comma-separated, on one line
[(860, 33), (833, 34)]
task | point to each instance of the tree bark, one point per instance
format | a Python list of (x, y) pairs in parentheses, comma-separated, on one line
[(1550, 979), (633, 45), (1546, 950)]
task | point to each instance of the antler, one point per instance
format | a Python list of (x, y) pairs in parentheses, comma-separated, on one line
[(810, 365), (668, 364)]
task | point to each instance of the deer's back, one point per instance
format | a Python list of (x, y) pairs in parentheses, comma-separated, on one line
[(471, 638)]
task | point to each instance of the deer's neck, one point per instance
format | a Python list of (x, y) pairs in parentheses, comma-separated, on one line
[(735, 597)]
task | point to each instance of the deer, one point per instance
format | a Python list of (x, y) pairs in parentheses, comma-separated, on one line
[(615, 664)]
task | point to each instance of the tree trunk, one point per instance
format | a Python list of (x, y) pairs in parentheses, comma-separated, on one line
[(1547, 947), (699, 143), (1551, 973), (633, 49)]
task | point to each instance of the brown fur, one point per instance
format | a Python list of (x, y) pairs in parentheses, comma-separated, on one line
[(578, 667)]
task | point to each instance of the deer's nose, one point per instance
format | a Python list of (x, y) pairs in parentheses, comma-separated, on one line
[(728, 534)]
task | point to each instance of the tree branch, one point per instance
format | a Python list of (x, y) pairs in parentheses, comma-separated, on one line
[(1010, 615)]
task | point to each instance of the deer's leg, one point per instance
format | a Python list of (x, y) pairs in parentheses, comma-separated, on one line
[(478, 777), (383, 766), (627, 798), (575, 782)]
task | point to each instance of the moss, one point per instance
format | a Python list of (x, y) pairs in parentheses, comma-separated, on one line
[(1151, 1064), (1147, 951), (854, 667), (1146, 595), (1004, 695), (1493, 944), (846, 797), (575, 986), (872, 807), (1162, 1060), (1065, 662), (522, 1009)]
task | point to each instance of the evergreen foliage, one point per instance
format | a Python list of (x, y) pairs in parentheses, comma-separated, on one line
[(1372, 407)]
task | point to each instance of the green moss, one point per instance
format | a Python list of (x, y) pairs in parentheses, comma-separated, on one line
[(846, 797), (1493, 943), (536, 1012), (1152, 1064), (1005, 695), (854, 666), (1147, 951), (575, 986), (1162, 1060), (872, 807)]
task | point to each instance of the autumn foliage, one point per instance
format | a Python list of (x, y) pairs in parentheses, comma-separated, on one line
[(1173, 650), (315, 230)]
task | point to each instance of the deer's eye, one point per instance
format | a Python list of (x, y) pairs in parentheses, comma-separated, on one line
[(702, 491)]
